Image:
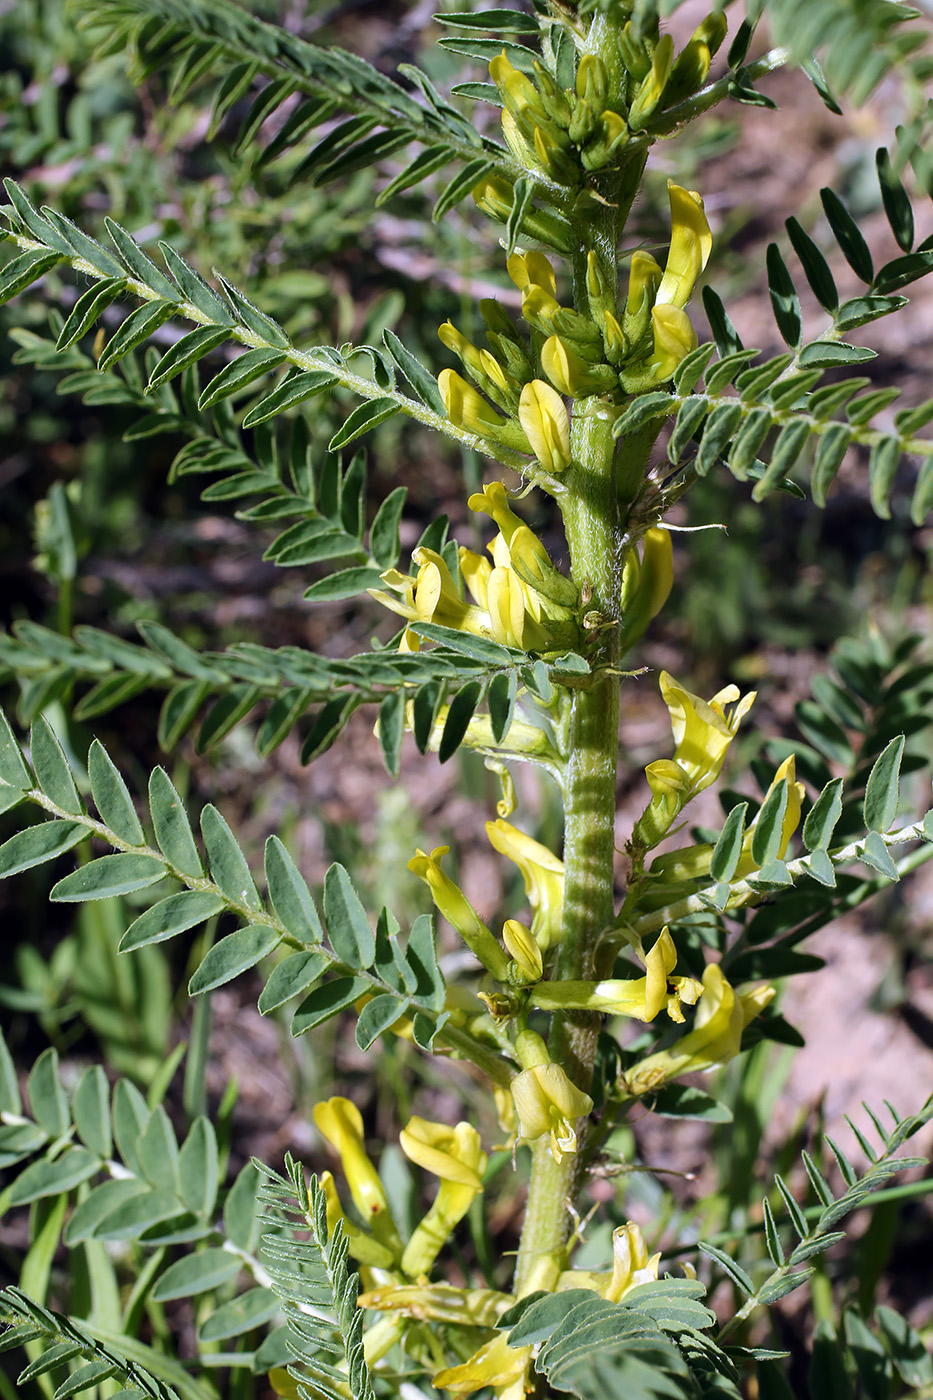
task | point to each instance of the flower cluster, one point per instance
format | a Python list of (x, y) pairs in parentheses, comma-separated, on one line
[(519, 598), (573, 355), (566, 134)]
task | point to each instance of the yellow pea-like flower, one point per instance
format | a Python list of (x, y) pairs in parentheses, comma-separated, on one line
[(543, 874), (642, 998), (468, 409), (475, 569), (340, 1123), (495, 1364), (691, 245), (549, 1103), (703, 730), (532, 270), (565, 369), (459, 912), (457, 1157), (716, 1037)]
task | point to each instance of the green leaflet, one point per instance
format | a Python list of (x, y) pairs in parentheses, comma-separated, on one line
[(171, 916), (234, 954), (38, 844), (348, 928), (109, 876)]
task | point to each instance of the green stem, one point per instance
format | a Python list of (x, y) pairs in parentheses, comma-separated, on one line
[(595, 509)]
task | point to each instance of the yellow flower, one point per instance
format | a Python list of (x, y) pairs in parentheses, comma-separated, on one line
[(511, 621), (693, 862), (691, 245), (644, 278), (715, 1038), (543, 874), (362, 1246), (521, 550), (630, 1262), (543, 417), (341, 1124), (631, 1266), (457, 1157), (703, 730), (478, 362), (475, 569), (569, 373), (440, 1302), (546, 1101), (454, 1154), (435, 597), (458, 911), (642, 998), (496, 1364)]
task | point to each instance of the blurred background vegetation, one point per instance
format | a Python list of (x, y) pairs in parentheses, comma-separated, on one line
[(93, 531)]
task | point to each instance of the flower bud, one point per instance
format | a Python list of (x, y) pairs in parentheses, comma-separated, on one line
[(651, 89), (610, 135), (712, 30), (554, 155), (597, 288), (572, 375), (498, 319), (614, 339), (635, 54), (495, 195), (523, 949), (690, 71), (468, 409), (518, 92), (543, 417), (582, 121), (592, 83), (532, 270)]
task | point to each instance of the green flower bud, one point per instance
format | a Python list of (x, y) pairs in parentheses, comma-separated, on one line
[(651, 89), (634, 53)]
